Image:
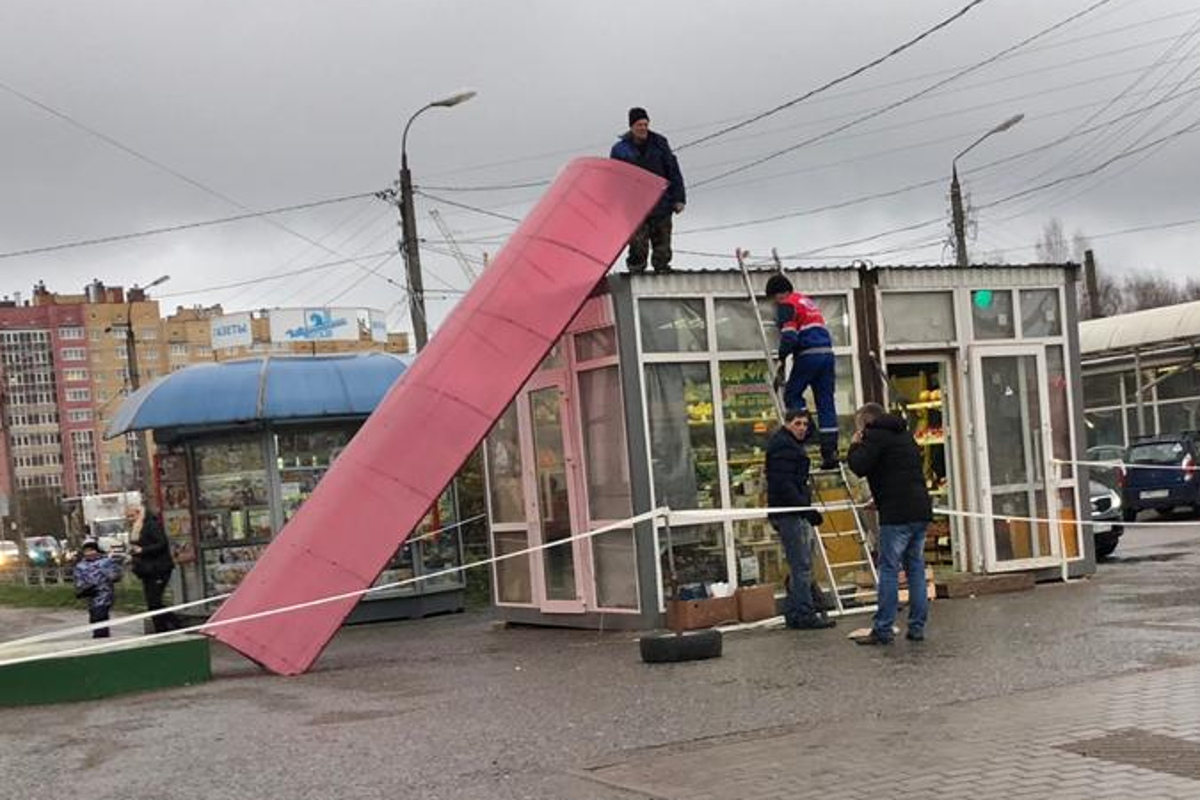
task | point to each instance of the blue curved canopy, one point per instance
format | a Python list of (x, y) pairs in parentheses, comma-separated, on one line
[(267, 388)]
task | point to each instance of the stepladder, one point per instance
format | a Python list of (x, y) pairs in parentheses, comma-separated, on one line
[(843, 565), (846, 571)]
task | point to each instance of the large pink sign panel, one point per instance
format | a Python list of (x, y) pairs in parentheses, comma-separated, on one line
[(437, 413)]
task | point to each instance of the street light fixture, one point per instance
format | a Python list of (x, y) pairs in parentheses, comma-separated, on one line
[(408, 222), (956, 204)]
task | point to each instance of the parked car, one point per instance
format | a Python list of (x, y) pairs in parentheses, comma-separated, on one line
[(43, 551), (1106, 518), (1160, 474), (1112, 474), (10, 554)]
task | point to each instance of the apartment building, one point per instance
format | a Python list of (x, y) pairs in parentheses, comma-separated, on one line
[(65, 368), (49, 439)]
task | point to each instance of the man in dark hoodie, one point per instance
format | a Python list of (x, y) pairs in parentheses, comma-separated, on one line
[(644, 148), (787, 487), (885, 453)]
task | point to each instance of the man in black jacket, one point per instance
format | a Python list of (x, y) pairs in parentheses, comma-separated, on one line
[(152, 563), (884, 452), (644, 148), (787, 487)]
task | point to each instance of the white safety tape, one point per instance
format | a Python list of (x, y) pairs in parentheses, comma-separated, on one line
[(205, 627), (129, 619), (671, 517), (1125, 465)]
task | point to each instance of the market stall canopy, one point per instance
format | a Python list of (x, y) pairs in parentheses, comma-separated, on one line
[(1169, 324), (256, 389)]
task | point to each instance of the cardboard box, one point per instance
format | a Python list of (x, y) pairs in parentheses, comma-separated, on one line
[(755, 603), (691, 615)]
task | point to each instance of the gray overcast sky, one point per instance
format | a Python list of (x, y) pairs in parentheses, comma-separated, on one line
[(274, 103)]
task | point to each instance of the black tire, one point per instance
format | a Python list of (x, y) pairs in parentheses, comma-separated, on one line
[(1106, 544), (667, 647), (1129, 514)]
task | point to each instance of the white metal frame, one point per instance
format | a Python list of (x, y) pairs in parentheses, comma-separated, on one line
[(1050, 484), (713, 357)]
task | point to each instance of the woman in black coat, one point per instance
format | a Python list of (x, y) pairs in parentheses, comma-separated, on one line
[(152, 563)]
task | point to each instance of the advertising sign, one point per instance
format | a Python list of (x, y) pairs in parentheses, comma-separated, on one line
[(314, 325), (232, 330), (378, 321)]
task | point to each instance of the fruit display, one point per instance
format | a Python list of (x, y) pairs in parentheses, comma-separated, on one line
[(929, 435)]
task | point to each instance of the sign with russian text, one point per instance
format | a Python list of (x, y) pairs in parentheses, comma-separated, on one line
[(232, 330)]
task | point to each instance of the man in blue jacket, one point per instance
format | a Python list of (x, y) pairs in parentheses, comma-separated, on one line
[(644, 148), (804, 336), (787, 487)]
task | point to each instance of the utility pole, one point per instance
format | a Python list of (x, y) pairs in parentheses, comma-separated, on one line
[(412, 256), (141, 469), (956, 202), (1090, 285), (960, 223), (408, 223)]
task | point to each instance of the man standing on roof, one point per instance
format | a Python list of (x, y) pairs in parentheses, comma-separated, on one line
[(644, 148), (804, 337)]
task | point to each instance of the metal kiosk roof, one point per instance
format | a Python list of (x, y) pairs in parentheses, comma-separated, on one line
[(260, 389)]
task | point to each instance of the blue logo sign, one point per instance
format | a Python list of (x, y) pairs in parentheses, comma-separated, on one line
[(319, 324)]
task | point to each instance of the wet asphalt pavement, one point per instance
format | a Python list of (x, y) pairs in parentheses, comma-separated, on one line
[(455, 707)]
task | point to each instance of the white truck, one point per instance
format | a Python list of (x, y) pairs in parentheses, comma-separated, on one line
[(105, 517)]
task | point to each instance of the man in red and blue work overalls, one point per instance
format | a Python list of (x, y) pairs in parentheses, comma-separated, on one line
[(803, 336)]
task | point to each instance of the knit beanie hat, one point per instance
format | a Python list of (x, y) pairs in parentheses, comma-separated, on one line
[(636, 113), (778, 284)]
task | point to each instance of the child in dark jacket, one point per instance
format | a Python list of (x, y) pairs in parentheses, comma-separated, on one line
[(94, 577)]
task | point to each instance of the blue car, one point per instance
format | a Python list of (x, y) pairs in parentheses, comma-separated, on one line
[(1160, 474)]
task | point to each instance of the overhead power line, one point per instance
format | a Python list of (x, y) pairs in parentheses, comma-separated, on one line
[(941, 179), (275, 277), (468, 207), (113, 142), (120, 237), (1131, 151), (895, 51), (906, 99), (495, 187)]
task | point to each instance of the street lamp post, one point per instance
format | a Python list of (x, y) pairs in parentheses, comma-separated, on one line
[(408, 223), (140, 456), (956, 203)]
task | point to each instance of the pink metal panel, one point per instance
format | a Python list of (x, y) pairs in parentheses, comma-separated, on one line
[(436, 414)]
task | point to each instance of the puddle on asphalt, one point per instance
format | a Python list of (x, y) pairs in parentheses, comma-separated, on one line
[(1150, 558), (1175, 597)]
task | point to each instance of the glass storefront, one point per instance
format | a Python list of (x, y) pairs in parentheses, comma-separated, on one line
[(227, 497), (576, 475), (688, 468), (1170, 403), (683, 439), (233, 509)]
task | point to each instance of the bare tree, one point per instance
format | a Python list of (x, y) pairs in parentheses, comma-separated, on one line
[(1191, 290), (1112, 301), (1053, 248), (994, 257), (1151, 290), (1110, 293), (1080, 244)]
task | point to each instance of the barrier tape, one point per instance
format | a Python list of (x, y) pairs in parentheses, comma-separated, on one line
[(132, 618), (670, 517)]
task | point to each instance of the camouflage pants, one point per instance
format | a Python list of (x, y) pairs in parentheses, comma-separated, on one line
[(653, 238)]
